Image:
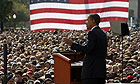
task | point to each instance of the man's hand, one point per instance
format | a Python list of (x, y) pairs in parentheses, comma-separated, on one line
[(67, 41)]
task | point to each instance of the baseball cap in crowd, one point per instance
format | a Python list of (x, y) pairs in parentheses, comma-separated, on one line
[(130, 77), (37, 82), (48, 80), (32, 57), (51, 61), (1, 73), (34, 62), (30, 71), (19, 63), (25, 74), (47, 75), (1, 69), (36, 75), (38, 66)]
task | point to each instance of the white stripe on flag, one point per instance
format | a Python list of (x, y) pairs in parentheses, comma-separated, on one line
[(77, 16), (65, 26), (58, 26)]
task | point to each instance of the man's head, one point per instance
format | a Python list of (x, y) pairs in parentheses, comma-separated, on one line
[(48, 81), (93, 20), (18, 76)]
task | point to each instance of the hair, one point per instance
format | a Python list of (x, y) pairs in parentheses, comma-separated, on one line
[(9, 77), (129, 64), (18, 72), (48, 79), (96, 17)]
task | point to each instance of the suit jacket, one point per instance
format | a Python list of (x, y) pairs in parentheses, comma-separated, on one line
[(94, 64)]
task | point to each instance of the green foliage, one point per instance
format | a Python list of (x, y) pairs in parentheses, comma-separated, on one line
[(19, 1), (6, 7), (22, 12), (10, 7)]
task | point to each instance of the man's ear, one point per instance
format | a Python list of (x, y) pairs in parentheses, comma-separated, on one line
[(93, 21)]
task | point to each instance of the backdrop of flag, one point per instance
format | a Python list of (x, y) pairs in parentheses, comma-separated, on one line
[(72, 14)]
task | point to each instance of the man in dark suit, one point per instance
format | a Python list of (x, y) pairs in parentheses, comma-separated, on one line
[(94, 64)]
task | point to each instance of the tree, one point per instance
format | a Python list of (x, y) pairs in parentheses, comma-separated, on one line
[(6, 7), (10, 7), (22, 12)]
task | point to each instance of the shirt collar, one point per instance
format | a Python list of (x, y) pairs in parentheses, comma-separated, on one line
[(94, 27)]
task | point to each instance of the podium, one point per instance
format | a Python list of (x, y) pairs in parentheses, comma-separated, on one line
[(66, 71)]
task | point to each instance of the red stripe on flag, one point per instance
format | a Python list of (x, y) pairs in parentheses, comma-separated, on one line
[(49, 20), (77, 22), (114, 19), (68, 11), (93, 1)]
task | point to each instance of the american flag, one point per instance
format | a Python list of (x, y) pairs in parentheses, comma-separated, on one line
[(72, 14)]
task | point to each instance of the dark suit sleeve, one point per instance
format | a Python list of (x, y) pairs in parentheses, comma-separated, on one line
[(87, 48)]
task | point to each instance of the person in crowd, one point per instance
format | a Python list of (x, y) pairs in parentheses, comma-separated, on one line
[(18, 77), (11, 81)]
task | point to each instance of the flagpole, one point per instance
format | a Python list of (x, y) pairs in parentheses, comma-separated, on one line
[(122, 54), (5, 64), (131, 21)]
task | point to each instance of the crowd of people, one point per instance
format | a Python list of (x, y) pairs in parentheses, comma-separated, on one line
[(30, 59), (123, 58)]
